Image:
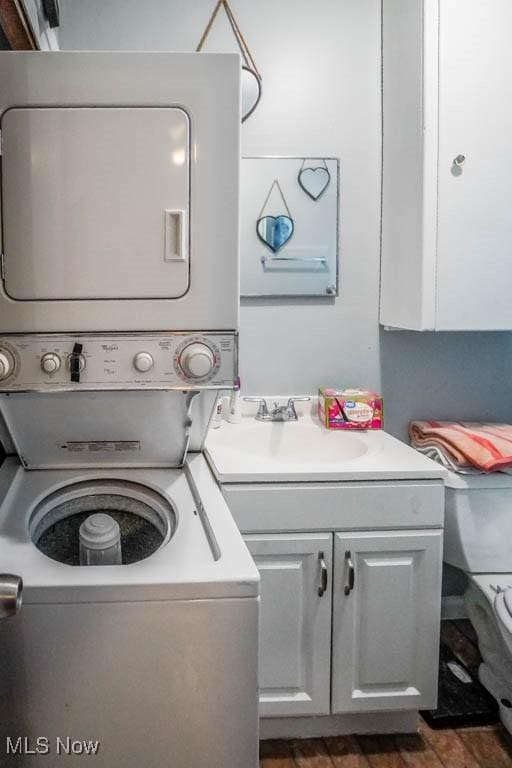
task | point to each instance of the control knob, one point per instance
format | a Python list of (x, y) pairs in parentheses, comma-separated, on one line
[(143, 362), (6, 364), (197, 360), (81, 361), (50, 362)]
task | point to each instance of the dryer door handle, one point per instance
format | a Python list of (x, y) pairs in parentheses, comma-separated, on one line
[(175, 236), (11, 595)]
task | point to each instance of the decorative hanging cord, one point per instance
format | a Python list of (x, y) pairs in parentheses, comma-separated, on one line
[(241, 39), (322, 160), (237, 32), (275, 183)]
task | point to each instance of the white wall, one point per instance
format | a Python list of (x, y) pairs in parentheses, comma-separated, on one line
[(320, 61)]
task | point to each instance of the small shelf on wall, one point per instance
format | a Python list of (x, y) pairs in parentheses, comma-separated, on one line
[(277, 191)]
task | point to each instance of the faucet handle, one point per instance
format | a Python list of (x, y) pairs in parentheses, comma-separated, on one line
[(291, 405), (262, 409)]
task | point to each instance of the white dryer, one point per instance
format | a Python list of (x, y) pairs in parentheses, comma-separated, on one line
[(120, 179)]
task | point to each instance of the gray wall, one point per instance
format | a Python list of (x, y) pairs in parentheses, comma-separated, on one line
[(320, 61)]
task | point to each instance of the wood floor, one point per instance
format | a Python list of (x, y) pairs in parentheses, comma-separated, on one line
[(482, 747), (485, 747)]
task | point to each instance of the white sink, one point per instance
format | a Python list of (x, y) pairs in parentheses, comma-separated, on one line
[(300, 442), (292, 450), (305, 451)]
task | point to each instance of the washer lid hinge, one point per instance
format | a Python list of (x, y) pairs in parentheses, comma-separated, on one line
[(187, 427), (201, 511)]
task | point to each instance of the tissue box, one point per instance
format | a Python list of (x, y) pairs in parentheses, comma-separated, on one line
[(350, 409)]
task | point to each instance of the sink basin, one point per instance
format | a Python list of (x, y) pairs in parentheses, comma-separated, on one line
[(305, 451), (301, 442), (292, 450)]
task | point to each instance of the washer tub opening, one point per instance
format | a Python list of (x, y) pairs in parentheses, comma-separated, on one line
[(147, 520)]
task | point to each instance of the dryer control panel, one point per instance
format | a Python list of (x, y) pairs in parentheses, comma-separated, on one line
[(58, 362)]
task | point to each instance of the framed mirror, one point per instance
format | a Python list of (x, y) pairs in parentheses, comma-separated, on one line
[(289, 222)]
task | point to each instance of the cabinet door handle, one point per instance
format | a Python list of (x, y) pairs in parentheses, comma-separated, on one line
[(323, 575), (351, 574)]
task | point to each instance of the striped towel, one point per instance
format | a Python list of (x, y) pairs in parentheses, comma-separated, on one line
[(466, 444)]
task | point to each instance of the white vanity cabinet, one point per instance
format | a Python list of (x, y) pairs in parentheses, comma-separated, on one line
[(383, 621), (387, 589), (447, 228), (349, 552), (295, 622), (374, 649)]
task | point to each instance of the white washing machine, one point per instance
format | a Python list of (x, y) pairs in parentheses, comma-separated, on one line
[(128, 600), (477, 539), (154, 661)]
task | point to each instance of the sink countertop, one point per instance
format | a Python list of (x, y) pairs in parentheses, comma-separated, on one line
[(264, 452)]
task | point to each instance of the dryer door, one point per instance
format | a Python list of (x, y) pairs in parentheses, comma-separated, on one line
[(95, 203)]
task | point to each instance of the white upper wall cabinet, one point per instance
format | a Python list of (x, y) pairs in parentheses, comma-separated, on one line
[(447, 184)]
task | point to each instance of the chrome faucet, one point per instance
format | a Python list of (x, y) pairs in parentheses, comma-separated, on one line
[(279, 412)]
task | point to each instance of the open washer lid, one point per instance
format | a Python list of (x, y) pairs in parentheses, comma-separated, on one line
[(106, 429)]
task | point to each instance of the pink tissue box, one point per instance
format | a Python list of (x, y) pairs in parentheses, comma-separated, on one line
[(350, 409)]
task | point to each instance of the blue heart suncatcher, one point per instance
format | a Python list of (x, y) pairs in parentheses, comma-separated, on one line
[(274, 231)]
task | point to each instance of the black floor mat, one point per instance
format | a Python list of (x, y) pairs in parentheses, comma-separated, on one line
[(460, 703)]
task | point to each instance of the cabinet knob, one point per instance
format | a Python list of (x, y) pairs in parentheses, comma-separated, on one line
[(459, 160)]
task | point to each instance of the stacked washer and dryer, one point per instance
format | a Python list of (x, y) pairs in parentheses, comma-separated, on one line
[(118, 327)]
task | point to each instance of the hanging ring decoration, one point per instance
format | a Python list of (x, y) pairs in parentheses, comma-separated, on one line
[(275, 231), (314, 180), (251, 77)]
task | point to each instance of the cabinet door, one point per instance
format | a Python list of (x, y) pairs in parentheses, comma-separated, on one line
[(474, 270), (295, 622), (386, 612)]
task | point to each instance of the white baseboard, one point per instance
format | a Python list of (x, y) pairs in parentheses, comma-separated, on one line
[(337, 725)]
